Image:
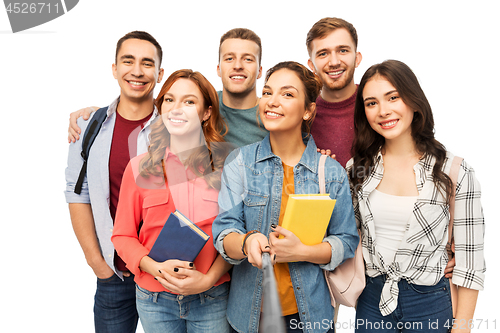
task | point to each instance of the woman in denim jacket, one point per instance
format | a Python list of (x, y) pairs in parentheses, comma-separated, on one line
[(255, 183)]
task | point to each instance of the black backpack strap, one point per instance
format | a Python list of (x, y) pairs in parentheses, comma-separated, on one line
[(88, 139)]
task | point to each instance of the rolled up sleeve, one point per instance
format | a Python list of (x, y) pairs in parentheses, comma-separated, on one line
[(231, 215), (468, 231), (74, 165)]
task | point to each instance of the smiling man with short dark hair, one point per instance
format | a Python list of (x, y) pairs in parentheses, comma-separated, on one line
[(123, 135)]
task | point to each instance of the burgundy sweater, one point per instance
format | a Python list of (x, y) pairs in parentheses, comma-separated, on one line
[(333, 127)]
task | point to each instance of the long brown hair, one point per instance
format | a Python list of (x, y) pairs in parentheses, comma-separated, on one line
[(368, 142), (202, 161)]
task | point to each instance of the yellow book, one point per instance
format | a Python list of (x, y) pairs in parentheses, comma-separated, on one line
[(308, 215)]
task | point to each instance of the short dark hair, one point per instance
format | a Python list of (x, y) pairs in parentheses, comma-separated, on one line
[(142, 35), (245, 34), (325, 26)]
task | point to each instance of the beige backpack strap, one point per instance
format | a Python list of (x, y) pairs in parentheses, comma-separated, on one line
[(321, 174)]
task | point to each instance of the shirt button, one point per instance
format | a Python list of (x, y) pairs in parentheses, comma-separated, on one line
[(109, 255)]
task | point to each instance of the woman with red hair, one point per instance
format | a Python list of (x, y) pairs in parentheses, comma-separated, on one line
[(180, 171)]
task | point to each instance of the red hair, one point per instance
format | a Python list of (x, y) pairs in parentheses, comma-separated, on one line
[(202, 161)]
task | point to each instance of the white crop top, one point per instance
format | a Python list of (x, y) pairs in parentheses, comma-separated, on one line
[(390, 215)]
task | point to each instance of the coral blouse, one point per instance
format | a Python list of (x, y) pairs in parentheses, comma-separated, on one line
[(150, 201)]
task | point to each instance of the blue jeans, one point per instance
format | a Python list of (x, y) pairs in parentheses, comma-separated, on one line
[(162, 312), (114, 305), (420, 308)]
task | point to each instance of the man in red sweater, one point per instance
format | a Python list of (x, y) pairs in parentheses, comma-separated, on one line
[(332, 45)]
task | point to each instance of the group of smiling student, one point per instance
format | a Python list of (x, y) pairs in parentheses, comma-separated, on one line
[(388, 174)]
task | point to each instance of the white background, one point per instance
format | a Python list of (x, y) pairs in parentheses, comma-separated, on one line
[(63, 65)]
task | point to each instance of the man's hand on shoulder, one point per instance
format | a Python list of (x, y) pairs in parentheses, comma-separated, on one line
[(74, 130), (327, 152)]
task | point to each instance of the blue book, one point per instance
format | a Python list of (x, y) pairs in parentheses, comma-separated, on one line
[(179, 239)]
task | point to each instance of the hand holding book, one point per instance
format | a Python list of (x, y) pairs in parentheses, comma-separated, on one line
[(300, 238), (179, 239), (285, 245)]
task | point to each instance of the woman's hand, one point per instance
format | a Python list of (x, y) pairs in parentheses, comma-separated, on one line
[(286, 249), (172, 267), (184, 279), (255, 245), (290, 248), (175, 268)]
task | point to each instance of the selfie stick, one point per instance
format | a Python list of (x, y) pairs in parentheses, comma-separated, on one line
[(271, 320)]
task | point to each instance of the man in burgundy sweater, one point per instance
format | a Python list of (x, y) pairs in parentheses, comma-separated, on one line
[(333, 56), (332, 45), (123, 135)]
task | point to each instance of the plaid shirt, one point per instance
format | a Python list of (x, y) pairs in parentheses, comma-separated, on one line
[(422, 257)]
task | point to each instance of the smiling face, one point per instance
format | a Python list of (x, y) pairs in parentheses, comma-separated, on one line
[(183, 109), (239, 66), (282, 105), (137, 70), (334, 58), (385, 110)]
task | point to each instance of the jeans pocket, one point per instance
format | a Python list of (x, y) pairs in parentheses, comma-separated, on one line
[(142, 294), (441, 286), (107, 280), (218, 292)]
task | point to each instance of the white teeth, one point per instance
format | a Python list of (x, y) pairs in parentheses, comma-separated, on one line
[(237, 77), (273, 114), (389, 124), (136, 83), (336, 73), (178, 121)]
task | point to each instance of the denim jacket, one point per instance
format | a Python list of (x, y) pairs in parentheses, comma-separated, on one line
[(250, 198)]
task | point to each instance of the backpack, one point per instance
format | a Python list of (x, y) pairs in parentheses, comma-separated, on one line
[(88, 139)]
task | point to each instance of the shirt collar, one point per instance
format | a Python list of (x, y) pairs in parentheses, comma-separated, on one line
[(309, 159), (112, 109)]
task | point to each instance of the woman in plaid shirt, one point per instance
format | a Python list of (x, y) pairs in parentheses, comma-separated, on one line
[(400, 185)]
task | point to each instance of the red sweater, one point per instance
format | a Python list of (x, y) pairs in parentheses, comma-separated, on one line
[(333, 127)]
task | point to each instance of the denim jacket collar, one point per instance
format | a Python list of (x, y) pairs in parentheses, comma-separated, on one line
[(309, 158)]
